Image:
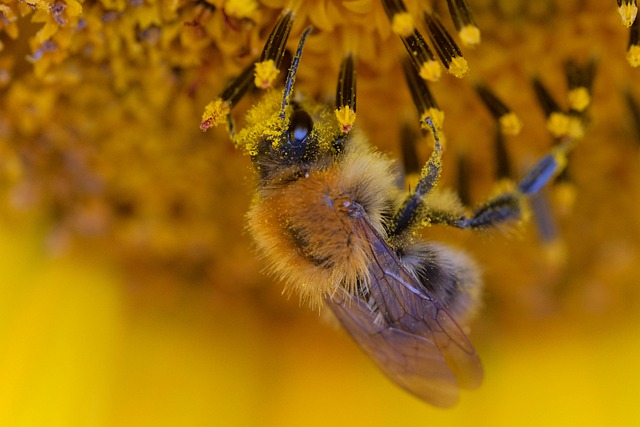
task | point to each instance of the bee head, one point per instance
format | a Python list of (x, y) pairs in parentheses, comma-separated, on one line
[(286, 137), (298, 143)]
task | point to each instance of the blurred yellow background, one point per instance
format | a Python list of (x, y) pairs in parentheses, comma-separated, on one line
[(76, 352)]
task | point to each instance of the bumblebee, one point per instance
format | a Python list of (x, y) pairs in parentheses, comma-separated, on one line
[(333, 224)]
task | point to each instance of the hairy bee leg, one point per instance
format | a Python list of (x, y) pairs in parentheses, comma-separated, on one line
[(504, 207), (412, 210), (510, 205)]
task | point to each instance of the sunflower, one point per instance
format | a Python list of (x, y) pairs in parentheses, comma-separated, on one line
[(132, 296)]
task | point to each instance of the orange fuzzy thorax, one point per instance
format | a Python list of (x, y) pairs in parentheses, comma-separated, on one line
[(305, 228)]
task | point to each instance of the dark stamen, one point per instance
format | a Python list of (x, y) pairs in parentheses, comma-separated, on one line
[(445, 46), (509, 123), (266, 69), (346, 94), (422, 98), (464, 22)]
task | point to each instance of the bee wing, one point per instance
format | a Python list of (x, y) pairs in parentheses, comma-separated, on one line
[(411, 336), (411, 361)]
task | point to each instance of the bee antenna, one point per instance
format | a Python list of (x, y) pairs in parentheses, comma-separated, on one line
[(291, 77)]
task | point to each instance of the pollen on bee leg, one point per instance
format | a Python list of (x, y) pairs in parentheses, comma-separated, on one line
[(465, 24), (446, 47), (547, 168), (436, 116), (508, 121), (633, 50), (628, 10), (346, 94), (266, 69)]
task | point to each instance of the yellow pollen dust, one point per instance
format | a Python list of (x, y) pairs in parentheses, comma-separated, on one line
[(458, 67), (214, 113), (431, 71), (402, 24), (633, 55), (579, 98), (558, 124), (265, 73), (437, 117), (470, 35), (628, 13), (510, 124), (346, 118), (240, 8)]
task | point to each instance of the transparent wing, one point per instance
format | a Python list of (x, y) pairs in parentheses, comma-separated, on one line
[(410, 336)]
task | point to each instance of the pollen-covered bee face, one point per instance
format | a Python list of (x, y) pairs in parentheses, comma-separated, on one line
[(330, 220), (296, 145)]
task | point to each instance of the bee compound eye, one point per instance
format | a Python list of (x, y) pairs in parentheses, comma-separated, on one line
[(299, 128)]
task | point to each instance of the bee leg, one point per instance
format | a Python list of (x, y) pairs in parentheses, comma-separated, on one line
[(506, 206), (509, 205), (412, 210)]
